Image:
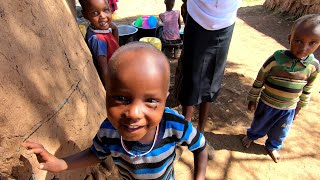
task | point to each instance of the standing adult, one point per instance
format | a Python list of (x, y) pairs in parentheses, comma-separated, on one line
[(207, 37)]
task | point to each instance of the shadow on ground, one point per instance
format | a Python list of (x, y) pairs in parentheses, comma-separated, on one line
[(270, 23), (232, 143)]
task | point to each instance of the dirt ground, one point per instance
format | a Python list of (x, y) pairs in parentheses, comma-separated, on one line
[(258, 33)]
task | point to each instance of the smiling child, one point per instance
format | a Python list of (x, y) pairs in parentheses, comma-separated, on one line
[(102, 35), (140, 133)]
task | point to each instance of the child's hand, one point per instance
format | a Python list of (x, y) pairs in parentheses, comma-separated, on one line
[(252, 106), (47, 161), (296, 112), (115, 31)]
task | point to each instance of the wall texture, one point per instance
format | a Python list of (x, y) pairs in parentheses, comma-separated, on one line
[(294, 7), (49, 89)]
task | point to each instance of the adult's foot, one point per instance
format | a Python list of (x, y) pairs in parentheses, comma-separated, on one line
[(210, 151), (246, 142)]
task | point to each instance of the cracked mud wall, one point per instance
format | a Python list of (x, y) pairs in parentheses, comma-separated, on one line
[(49, 89)]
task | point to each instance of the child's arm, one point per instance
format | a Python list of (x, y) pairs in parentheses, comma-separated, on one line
[(296, 112), (306, 93), (179, 20), (200, 164), (258, 84), (115, 31), (51, 163), (102, 69), (197, 145), (160, 17)]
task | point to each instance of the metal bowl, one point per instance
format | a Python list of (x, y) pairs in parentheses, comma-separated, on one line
[(127, 34)]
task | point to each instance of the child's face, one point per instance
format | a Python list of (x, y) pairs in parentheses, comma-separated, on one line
[(304, 41), (99, 14), (136, 96)]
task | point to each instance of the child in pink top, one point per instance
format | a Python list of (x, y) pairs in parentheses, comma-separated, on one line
[(171, 24)]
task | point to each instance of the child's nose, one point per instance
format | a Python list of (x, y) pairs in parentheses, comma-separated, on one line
[(135, 110), (305, 48), (103, 14)]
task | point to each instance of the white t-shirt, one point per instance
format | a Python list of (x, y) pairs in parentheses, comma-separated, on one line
[(213, 14)]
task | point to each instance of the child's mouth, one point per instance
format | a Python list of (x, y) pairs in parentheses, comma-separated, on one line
[(103, 23), (132, 128)]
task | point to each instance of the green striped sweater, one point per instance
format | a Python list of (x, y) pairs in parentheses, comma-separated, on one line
[(285, 82)]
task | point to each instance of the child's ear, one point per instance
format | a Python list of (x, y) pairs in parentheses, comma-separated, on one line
[(289, 38)]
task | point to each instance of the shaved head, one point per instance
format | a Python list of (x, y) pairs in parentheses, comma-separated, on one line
[(137, 85), (310, 21), (141, 59)]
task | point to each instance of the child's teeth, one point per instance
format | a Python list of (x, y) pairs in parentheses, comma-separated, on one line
[(133, 127)]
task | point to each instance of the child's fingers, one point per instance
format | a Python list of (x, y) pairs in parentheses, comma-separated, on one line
[(42, 166), (49, 167), (56, 166), (42, 154), (35, 151), (31, 145)]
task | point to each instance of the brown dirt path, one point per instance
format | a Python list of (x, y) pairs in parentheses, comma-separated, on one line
[(258, 33)]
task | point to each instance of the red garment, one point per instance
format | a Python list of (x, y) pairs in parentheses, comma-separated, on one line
[(112, 44), (113, 5)]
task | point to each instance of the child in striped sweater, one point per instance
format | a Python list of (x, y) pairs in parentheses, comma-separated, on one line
[(287, 77), (140, 133)]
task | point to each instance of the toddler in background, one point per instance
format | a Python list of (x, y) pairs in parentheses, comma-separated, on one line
[(171, 24), (102, 35), (287, 77)]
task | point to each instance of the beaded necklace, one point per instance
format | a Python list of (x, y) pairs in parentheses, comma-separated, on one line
[(140, 155)]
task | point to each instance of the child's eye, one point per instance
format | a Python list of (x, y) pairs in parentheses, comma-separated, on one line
[(95, 13), (313, 43), (298, 41), (106, 10), (151, 100), (121, 99)]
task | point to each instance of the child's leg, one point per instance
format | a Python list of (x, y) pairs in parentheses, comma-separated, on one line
[(278, 133), (262, 122)]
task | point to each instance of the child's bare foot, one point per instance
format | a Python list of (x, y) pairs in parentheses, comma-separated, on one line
[(246, 142), (274, 155)]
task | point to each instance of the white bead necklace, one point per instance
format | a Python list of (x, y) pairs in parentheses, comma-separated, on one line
[(140, 155)]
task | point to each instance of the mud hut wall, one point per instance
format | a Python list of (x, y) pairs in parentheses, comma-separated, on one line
[(294, 7), (50, 91)]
